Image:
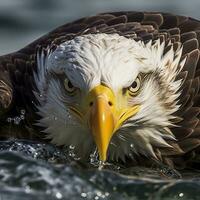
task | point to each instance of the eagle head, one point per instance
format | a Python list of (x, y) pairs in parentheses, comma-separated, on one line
[(109, 92)]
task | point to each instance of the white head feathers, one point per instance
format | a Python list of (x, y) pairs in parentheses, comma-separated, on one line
[(114, 59), (92, 59)]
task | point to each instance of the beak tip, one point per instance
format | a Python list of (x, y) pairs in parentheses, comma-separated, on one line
[(103, 158), (102, 153)]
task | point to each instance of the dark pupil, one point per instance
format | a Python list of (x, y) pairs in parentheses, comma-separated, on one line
[(70, 84), (134, 84)]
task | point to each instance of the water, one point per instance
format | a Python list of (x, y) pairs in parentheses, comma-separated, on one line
[(30, 170)]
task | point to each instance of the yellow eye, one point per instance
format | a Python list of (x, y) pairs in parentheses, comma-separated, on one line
[(69, 87), (135, 86)]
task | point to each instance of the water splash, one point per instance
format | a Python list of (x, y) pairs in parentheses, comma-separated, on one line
[(17, 119), (23, 111), (101, 165), (94, 161), (94, 158), (71, 151), (24, 178), (36, 150)]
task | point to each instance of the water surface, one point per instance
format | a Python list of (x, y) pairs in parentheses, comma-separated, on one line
[(30, 170)]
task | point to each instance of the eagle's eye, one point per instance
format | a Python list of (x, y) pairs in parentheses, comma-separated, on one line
[(69, 87), (135, 86)]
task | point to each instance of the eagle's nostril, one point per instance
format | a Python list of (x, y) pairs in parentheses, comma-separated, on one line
[(110, 103), (91, 104)]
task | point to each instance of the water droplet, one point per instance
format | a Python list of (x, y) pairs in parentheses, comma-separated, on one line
[(27, 189), (101, 165), (23, 111), (83, 194), (17, 120), (72, 147), (181, 194), (94, 158), (131, 145), (35, 155), (107, 194), (99, 194), (55, 118), (22, 117), (72, 153), (9, 119), (59, 195)]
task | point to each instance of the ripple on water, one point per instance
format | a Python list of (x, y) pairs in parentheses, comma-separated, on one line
[(23, 177)]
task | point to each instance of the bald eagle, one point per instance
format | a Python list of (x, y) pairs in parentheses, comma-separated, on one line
[(124, 83)]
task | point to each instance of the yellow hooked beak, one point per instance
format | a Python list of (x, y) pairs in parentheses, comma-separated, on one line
[(105, 118)]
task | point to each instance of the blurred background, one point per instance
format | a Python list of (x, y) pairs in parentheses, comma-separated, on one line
[(22, 21)]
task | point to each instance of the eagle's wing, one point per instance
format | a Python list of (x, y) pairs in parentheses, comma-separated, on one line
[(17, 69)]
